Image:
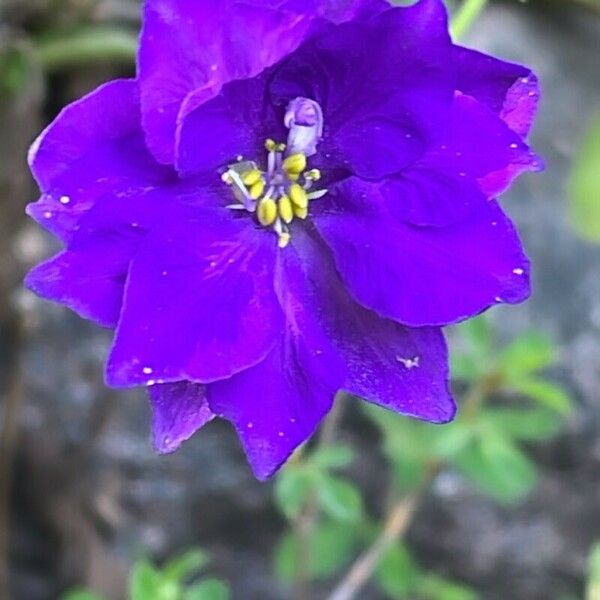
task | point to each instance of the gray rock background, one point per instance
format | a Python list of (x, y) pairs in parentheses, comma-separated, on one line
[(89, 493)]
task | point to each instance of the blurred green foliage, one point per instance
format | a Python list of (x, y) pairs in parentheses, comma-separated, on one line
[(585, 185), (508, 403), (147, 582), (86, 45), (15, 65), (593, 584)]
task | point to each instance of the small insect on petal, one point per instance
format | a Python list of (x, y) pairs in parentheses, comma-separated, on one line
[(267, 212), (298, 196), (251, 177), (295, 163), (286, 210), (257, 190)]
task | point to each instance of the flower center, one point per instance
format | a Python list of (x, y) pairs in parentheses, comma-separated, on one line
[(282, 192)]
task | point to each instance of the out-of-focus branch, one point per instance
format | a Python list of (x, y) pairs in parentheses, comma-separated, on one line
[(394, 529), (402, 512), (304, 525), (9, 432), (86, 46)]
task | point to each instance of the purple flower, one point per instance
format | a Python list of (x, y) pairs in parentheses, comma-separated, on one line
[(291, 199)]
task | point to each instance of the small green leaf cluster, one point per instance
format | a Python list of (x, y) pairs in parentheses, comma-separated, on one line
[(584, 185), (15, 65), (507, 404), (399, 576), (177, 580), (593, 582), (312, 485)]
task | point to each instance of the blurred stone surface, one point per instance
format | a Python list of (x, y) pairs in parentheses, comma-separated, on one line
[(91, 493)]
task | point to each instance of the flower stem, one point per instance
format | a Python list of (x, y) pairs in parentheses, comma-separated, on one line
[(395, 527), (304, 525), (465, 17), (402, 513), (85, 46), (9, 434)]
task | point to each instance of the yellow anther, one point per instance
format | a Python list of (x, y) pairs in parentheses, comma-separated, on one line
[(284, 239), (267, 212), (257, 190), (298, 196), (251, 177), (294, 163), (313, 175), (286, 210), (281, 147), (270, 145), (301, 213)]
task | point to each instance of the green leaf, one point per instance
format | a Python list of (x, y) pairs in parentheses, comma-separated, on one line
[(466, 367), (530, 352), (86, 45), (186, 565), (340, 499), (434, 587), (293, 487), (497, 467), (397, 574), (145, 582), (332, 457), (15, 68), (209, 589), (593, 584), (523, 424), (585, 185), (405, 444), (331, 547), (477, 333), (471, 355), (81, 595), (449, 440), (543, 392)]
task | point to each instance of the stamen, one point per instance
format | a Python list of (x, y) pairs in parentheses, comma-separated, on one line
[(282, 192), (295, 163), (298, 196), (251, 177), (301, 213), (267, 212), (317, 194), (286, 210), (257, 190), (284, 239)]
